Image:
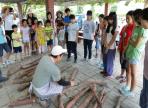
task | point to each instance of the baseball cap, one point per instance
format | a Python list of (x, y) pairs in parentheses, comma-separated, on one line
[(58, 50)]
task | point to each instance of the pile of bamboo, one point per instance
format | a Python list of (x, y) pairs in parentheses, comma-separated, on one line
[(92, 98)]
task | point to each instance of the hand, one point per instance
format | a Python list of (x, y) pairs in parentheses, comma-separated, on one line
[(72, 83)]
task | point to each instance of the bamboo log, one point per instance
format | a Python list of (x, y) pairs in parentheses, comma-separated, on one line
[(74, 74), (23, 80), (76, 97), (23, 86), (61, 104), (30, 74), (25, 72), (118, 102), (29, 65), (22, 102), (86, 101), (13, 70)]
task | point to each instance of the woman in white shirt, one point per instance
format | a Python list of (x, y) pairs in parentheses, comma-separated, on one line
[(110, 45)]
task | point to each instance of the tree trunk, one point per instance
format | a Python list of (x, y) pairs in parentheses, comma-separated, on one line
[(145, 3), (50, 7), (19, 5), (106, 9)]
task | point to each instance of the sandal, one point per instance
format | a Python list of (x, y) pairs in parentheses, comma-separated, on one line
[(119, 77), (103, 73), (123, 80)]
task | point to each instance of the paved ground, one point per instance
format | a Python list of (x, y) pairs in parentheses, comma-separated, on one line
[(86, 71)]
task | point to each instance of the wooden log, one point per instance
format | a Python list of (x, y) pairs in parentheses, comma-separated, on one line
[(22, 102), (21, 87), (23, 80), (29, 65), (76, 97), (74, 74), (13, 70), (118, 105), (25, 72), (61, 104), (30, 74), (86, 101)]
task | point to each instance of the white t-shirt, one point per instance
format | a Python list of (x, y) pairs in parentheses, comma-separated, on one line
[(61, 35), (89, 28), (25, 33), (72, 32), (109, 37), (8, 22)]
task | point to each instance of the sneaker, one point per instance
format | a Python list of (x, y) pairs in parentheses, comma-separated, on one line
[(124, 89), (75, 61), (128, 94), (9, 62), (3, 79)]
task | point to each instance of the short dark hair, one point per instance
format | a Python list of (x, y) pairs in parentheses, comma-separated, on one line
[(130, 13), (101, 15), (49, 13), (105, 18), (14, 26), (0, 19), (67, 10), (23, 20), (40, 22), (72, 16), (48, 21), (137, 14), (89, 12), (145, 14)]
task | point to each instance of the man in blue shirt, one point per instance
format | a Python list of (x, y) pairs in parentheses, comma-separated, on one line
[(66, 22)]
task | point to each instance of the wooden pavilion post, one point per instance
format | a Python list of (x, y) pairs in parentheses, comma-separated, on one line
[(106, 9), (50, 6)]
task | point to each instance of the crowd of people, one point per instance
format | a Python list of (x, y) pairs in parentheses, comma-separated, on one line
[(37, 37)]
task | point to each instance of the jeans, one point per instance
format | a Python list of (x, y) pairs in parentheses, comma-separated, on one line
[(88, 48)]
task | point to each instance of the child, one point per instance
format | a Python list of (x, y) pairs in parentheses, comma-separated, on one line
[(41, 41), (125, 34), (3, 46), (89, 32), (33, 41), (49, 35), (110, 45), (72, 38), (144, 92), (133, 54), (61, 34), (98, 34), (25, 32), (17, 42)]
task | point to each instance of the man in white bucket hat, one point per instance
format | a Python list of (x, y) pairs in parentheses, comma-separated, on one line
[(47, 79)]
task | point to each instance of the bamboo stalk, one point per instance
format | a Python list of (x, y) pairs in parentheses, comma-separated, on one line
[(21, 87), (61, 104), (74, 74), (22, 102), (86, 101), (118, 102), (76, 97)]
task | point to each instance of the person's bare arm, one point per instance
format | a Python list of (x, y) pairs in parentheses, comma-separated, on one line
[(136, 42)]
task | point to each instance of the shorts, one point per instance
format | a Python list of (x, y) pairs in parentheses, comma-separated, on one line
[(17, 49), (49, 42), (133, 61), (144, 94), (26, 40), (5, 47)]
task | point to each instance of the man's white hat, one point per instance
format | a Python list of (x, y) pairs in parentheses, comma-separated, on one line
[(58, 50)]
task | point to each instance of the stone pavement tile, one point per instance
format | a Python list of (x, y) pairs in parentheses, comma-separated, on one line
[(81, 77), (129, 104), (4, 100), (134, 99)]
